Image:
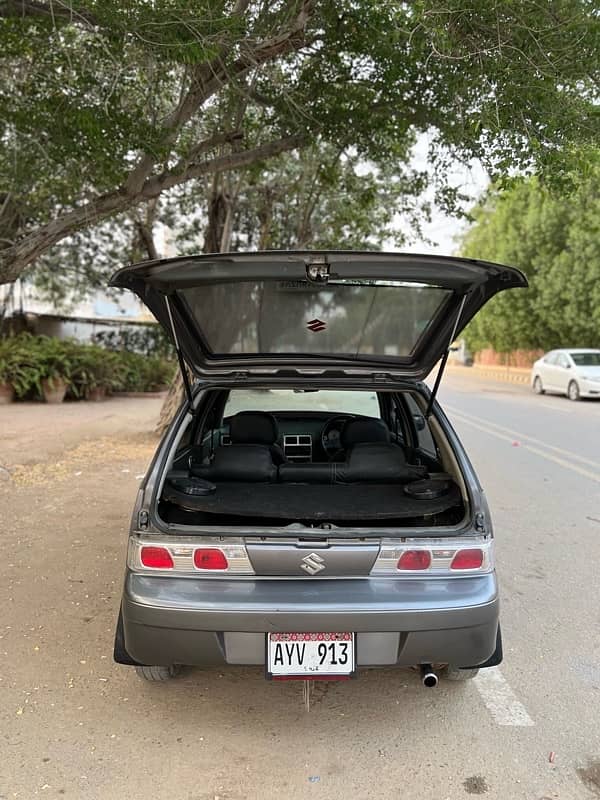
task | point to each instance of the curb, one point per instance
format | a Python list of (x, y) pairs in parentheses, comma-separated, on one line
[(503, 374), (140, 394)]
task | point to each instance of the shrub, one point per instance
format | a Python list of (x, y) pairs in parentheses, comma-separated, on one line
[(92, 367), (26, 360), (144, 373), (149, 340), (34, 359)]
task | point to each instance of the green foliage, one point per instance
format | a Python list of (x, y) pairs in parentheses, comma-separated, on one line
[(555, 240), (149, 340), (26, 360), (144, 373), (91, 93), (319, 198), (16, 368)]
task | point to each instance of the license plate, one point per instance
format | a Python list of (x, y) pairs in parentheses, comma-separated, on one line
[(310, 655)]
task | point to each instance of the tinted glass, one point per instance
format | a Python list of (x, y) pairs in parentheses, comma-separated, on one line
[(289, 400), (591, 359), (347, 318)]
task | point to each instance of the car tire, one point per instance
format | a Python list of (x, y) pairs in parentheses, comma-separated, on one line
[(538, 387), (451, 673), (158, 674), (573, 391)]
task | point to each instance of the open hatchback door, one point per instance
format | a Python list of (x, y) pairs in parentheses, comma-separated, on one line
[(320, 312)]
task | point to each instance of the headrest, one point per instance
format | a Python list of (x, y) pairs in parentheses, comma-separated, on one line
[(253, 427), (362, 431)]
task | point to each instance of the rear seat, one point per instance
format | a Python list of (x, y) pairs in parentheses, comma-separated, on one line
[(366, 463), (254, 456), (370, 458)]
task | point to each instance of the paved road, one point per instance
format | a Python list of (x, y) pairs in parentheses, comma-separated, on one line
[(73, 724)]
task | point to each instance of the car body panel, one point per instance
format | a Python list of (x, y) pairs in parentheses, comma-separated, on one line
[(365, 292), (168, 620)]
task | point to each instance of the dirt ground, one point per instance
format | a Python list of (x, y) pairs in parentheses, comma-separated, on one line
[(33, 432)]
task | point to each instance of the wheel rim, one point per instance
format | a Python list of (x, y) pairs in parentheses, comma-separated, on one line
[(573, 391), (537, 385)]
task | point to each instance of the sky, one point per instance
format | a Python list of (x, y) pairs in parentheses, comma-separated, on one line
[(443, 230)]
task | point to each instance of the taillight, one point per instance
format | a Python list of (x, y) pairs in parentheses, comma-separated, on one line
[(468, 559), (414, 559), (210, 558), (156, 557)]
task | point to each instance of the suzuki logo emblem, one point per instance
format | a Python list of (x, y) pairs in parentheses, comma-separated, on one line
[(316, 325), (312, 564)]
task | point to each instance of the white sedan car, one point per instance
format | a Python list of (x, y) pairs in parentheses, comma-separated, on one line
[(574, 372)]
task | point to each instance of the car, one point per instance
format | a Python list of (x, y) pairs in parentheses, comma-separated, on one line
[(574, 372), (310, 509)]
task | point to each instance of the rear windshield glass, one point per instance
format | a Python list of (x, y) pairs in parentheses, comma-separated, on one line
[(365, 403), (345, 318), (590, 359)]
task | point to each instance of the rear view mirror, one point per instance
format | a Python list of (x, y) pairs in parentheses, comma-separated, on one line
[(419, 421)]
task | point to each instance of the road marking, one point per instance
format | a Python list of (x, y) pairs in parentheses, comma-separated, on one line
[(500, 700), (527, 437), (594, 476)]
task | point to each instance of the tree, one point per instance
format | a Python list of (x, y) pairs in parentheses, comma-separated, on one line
[(555, 240), (318, 197), (107, 105)]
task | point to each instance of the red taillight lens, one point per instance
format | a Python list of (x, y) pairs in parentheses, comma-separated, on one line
[(415, 559), (210, 558), (156, 557), (467, 559)]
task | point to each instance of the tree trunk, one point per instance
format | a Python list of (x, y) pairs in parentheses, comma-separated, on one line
[(217, 239), (171, 405)]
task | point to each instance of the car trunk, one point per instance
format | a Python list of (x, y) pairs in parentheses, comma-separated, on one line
[(293, 318), (352, 505)]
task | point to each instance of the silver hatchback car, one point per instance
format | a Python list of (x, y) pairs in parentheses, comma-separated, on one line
[(310, 509)]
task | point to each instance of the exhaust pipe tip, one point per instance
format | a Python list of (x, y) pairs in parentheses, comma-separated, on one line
[(428, 676)]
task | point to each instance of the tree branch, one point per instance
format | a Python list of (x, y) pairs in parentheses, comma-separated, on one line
[(209, 77), (166, 180), (22, 9), (15, 258)]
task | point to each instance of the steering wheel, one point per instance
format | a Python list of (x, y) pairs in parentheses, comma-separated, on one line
[(331, 435)]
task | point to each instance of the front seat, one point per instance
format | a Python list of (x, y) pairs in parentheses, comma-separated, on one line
[(257, 427), (364, 431), (253, 455), (371, 456)]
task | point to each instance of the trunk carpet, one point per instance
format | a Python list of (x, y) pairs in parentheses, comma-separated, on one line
[(313, 502)]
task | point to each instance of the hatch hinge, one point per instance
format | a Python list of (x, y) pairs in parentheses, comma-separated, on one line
[(443, 362), (182, 367)]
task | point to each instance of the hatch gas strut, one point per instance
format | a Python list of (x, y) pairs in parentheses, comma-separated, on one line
[(182, 368), (440, 372)]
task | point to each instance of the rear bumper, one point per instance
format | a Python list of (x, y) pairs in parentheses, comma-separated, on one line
[(398, 622)]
